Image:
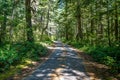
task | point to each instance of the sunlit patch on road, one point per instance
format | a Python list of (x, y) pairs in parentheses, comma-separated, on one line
[(63, 64)]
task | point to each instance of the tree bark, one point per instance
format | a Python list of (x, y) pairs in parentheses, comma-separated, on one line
[(66, 25), (30, 37), (78, 10), (116, 22), (108, 22), (12, 24), (46, 26)]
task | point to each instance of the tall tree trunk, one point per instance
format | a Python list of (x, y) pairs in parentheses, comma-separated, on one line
[(47, 22), (100, 26), (78, 10), (12, 25), (111, 26), (66, 25), (108, 22), (92, 24), (116, 21), (97, 22), (30, 37), (46, 26)]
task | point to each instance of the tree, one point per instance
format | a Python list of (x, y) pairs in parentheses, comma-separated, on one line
[(116, 20), (79, 26), (30, 37), (48, 18)]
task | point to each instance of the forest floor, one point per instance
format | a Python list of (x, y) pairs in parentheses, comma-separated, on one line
[(64, 63)]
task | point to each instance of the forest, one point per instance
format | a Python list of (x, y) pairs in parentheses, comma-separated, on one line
[(26, 26)]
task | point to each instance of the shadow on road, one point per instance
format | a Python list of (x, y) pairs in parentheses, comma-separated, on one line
[(63, 64)]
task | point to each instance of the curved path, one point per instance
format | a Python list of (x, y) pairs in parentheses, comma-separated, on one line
[(63, 64)]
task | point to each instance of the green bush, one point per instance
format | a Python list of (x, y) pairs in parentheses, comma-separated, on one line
[(7, 57), (31, 48), (14, 53), (108, 60), (109, 56), (75, 44)]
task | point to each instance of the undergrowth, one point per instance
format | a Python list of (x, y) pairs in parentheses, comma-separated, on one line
[(109, 56), (14, 54)]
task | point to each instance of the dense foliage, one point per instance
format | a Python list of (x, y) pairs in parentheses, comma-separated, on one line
[(106, 55), (15, 53), (109, 56)]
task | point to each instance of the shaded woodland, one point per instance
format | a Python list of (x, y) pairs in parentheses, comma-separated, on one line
[(92, 26)]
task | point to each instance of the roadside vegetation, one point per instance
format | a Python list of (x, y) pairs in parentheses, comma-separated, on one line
[(106, 55), (13, 56)]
